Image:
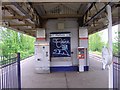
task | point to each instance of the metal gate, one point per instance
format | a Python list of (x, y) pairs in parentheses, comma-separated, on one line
[(10, 72), (116, 73)]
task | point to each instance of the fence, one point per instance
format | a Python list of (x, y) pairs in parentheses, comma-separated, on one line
[(116, 73), (10, 72)]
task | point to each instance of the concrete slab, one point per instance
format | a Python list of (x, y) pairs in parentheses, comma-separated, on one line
[(32, 80), (95, 78)]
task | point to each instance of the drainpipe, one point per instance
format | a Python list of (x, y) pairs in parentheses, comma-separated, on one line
[(109, 17)]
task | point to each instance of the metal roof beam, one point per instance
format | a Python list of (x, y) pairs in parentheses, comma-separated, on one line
[(50, 16), (81, 19), (17, 25), (14, 17), (89, 7), (26, 9), (95, 15)]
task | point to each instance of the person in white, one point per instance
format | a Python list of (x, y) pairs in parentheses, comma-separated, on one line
[(106, 58)]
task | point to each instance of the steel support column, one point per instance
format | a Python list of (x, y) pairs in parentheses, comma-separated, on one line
[(108, 8)]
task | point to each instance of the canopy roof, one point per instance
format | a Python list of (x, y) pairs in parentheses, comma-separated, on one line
[(27, 16)]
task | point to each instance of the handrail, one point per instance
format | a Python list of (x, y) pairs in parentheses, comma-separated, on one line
[(116, 63), (8, 60), (117, 56)]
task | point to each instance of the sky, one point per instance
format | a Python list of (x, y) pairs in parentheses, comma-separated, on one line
[(105, 34)]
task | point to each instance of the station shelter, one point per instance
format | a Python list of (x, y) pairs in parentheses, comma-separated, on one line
[(62, 29)]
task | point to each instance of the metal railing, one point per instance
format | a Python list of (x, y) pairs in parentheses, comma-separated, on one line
[(10, 72), (116, 72)]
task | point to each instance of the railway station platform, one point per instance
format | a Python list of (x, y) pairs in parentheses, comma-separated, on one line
[(94, 78)]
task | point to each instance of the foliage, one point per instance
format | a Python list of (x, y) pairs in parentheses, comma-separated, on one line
[(13, 42), (95, 42), (116, 44)]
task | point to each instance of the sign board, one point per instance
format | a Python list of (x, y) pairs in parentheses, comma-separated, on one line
[(60, 44)]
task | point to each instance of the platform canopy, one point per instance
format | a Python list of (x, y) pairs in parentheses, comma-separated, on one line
[(27, 16)]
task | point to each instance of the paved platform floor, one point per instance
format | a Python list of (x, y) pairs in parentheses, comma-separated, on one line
[(94, 78)]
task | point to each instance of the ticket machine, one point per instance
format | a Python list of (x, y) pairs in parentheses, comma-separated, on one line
[(42, 58), (82, 57)]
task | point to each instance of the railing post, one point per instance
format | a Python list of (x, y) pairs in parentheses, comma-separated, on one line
[(19, 71)]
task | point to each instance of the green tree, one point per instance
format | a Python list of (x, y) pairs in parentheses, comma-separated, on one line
[(95, 42), (13, 42), (116, 44)]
